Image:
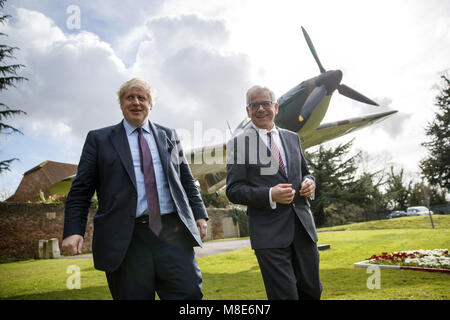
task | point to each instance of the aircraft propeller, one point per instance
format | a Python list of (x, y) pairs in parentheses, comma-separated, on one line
[(327, 84), (313, 50)]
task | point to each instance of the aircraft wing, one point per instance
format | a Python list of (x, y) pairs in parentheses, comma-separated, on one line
[(208, 165), (206, 160), (332, 130)]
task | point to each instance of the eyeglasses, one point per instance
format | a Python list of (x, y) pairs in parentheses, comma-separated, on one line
[(264, 104)]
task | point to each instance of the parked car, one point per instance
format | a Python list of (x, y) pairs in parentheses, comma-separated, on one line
[(396, 214), (418, 211)]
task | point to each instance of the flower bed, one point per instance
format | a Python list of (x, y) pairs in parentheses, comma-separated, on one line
[(428, 260)]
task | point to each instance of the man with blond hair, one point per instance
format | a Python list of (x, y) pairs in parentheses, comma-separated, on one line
[(150, 213)]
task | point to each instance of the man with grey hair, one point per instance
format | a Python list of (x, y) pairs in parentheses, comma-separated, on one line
[(256, 88), (281, 226), (150, 213)]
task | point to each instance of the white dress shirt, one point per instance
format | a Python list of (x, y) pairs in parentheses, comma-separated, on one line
[(276, 136)]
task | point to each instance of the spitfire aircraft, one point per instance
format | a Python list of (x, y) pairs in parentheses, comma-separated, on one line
[(300, 110)]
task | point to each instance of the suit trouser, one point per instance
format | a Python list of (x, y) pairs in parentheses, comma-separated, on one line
[(291, 273), (165, 264)]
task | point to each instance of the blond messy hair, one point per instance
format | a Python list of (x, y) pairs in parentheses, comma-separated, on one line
[(136, 83)]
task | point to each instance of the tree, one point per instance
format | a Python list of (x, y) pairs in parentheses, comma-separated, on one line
[(436, 167), (421, 194), (8, 78), (397, 194), (340, 192)]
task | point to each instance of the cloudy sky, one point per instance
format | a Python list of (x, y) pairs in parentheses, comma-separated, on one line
[(202, 56)]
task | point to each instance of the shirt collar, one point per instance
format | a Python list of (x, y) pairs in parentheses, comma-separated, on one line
[(264, 132), (129, 128)]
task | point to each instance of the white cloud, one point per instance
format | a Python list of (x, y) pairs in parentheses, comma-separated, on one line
[(195, 77), (70, 76)]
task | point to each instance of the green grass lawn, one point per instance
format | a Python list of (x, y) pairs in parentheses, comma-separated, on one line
[(418, 222), (236, 275)]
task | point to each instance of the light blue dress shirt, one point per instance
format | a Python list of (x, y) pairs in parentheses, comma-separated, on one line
[(165, 199)]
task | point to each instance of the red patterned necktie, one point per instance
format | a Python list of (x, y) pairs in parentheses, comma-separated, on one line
[(150, 185), (276, 152)]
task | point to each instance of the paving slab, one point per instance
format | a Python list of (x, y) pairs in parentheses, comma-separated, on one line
[(215, 247)]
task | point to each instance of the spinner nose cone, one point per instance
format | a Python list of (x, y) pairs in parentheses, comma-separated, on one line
[(331, 79)]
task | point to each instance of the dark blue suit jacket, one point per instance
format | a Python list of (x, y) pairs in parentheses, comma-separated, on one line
[(106, 167)]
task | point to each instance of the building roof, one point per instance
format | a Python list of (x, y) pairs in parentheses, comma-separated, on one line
[(41, 178), (55, 171)]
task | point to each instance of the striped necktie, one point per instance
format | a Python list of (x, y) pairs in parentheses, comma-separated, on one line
[(276, 152)]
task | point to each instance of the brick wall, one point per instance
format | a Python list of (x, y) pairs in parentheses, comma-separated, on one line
[(22, 223)]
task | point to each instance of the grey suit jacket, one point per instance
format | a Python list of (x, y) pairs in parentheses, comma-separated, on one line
[(249, 179), (106, 167)]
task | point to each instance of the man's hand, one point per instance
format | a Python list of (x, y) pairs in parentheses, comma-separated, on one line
[(308, 188), (72, 244), (202, 227), (283, 193)]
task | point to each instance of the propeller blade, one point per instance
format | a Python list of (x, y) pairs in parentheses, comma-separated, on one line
[(311, 102), (352, 94), (313, 50)]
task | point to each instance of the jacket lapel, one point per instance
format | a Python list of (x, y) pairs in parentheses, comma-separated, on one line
[(119, 140), (161, 144), (285, 141), (288, 144), (263, 144)]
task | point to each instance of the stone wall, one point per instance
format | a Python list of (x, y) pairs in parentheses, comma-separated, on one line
[(220, 225), (21, 225)]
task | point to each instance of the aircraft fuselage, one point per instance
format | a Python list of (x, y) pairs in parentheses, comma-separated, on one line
[(298, 111)]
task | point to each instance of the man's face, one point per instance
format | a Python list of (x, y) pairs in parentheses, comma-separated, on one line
[(262, 117), (136, 106)]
